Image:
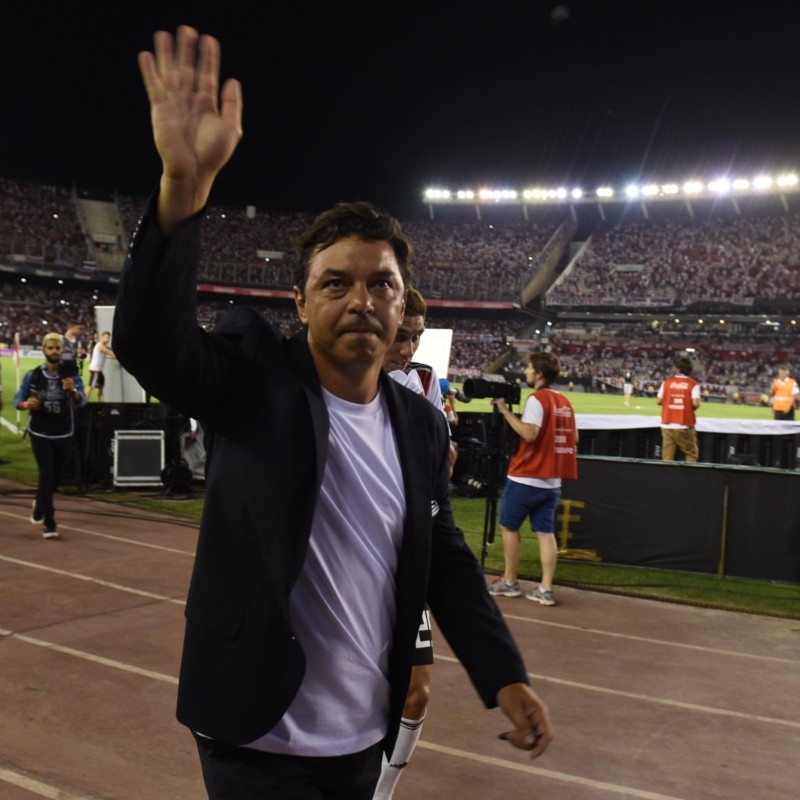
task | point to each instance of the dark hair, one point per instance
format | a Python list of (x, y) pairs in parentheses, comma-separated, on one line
[(546, 363), (415, 304), (360, 219), (683, 365)]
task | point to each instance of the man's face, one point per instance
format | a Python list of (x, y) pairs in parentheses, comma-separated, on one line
[(530, 375), (52, 351), (405, 344), (352, 304), (783, 373)]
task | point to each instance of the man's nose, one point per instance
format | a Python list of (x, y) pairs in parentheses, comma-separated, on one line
[(361, 299), (406, 349)]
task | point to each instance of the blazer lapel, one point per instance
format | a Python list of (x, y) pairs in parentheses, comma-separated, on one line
[(304, 363)]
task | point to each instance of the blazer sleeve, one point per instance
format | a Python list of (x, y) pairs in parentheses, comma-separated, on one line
[(466, 613), (156, 334)]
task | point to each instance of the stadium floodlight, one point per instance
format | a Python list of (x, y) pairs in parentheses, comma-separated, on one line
[(498, 195), (536, 193), (694, 188)]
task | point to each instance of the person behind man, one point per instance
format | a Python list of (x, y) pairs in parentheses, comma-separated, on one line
[(327, 522), (678, 397), (627, 387), (421, 378), (546, 454), (74, 352), (100, 352), (783, 395), (449, 400), (50, 393)]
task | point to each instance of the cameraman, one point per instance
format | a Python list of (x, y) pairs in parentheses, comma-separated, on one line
[(50, 393), (546, 454)]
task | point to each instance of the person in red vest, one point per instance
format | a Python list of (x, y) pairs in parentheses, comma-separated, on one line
[(546, 455), (678, 397), (783, 396)]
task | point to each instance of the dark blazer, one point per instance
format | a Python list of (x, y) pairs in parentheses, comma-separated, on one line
[(259, 399)]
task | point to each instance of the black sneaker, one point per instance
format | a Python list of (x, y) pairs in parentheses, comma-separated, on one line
[(37, 517), (50, 533)]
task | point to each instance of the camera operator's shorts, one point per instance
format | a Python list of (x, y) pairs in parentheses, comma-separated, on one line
[(423, 653), (537, 504), (96, 379)]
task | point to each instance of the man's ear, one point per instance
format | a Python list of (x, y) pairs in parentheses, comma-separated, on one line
[(300, 304)]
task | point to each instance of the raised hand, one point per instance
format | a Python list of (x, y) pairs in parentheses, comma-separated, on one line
[(195, 126)]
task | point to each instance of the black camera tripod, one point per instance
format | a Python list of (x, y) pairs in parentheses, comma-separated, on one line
[(496, 464)]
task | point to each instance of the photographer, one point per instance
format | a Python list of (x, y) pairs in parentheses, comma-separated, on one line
[(50, 393), (546, 454)]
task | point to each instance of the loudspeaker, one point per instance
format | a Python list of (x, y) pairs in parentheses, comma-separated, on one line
[(138, 458)]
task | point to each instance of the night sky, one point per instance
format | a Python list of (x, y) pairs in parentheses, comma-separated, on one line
[(377, 101)]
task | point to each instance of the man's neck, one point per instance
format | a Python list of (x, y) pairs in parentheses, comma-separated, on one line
[(356, 386)]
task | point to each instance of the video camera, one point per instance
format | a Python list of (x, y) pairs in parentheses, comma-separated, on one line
[(478, 387)]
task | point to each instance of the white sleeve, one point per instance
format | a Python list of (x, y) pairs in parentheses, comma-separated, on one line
[(533, 413), (434, 393), (409, 379)]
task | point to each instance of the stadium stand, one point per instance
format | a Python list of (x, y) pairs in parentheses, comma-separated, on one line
[(624, 292)]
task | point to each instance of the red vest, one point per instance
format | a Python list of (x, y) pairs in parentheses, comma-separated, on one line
[(553, 453), (676, 401)]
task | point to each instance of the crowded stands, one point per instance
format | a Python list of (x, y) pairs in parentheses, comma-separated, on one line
[(742, 264)]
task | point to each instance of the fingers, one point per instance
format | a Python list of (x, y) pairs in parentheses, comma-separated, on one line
[(231, 110), (208, 66), (184, 66), (171, 65), (535, 741)]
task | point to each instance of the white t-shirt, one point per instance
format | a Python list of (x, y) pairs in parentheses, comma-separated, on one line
[(343, 604), (98, 360)]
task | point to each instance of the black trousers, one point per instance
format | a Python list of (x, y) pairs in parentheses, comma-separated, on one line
[(51, 456), (239, 773)]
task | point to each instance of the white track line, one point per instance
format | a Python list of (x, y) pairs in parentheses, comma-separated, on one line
[(99, 582), (38, 787), (647, 639), (564, 777), (647, 698)]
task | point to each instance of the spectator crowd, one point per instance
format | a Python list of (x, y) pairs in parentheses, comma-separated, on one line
[(742, 263)]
